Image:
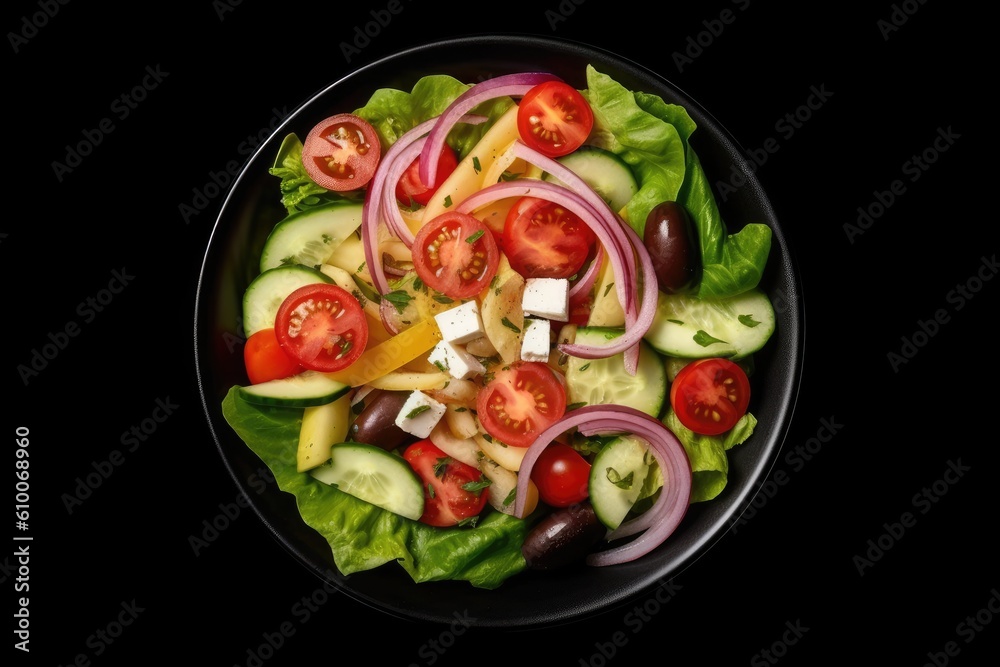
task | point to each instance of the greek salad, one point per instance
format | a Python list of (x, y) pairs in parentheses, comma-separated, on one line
[(502, 326)]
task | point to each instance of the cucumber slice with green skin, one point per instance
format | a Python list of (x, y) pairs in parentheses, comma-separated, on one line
[(307, 389), (375, 476), (602, 170), (733, 327), (310, 237), (605, 381), (616, 477), (265, 293)]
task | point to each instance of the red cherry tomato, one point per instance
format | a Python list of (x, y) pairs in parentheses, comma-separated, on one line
[(342, 152), (544, 240), (265, 360), (456, 255), (554, 118), (710, 395), (562, 475), (322, 326), (453, 491), (410, 189), (520, 402)]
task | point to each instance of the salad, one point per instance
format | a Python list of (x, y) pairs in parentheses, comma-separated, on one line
[(502, 326)]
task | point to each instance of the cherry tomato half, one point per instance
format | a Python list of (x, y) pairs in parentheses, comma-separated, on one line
[(520, 402), (453, 491), (342, 152), (562, 475), (265, 360), (710, 395), (322, 326), (410, 189), (544, 240), (455, 254), (554, 118)]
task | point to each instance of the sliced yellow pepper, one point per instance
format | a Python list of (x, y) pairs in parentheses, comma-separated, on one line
[(391, 354)]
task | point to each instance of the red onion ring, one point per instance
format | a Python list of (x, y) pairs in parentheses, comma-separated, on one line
[(513, 85), (670, 508)]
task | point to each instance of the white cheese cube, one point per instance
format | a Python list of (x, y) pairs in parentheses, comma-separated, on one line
[(546, 297), (420, 414), (455, 360), (537, 337), (461, 324)]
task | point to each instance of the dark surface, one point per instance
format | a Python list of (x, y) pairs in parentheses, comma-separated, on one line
[(868, 467)]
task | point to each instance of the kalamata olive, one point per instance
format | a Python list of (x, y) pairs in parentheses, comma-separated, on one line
[(563, 537), (376, 423), (672, 241)]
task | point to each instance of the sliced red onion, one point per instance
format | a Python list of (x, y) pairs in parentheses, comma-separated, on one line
[(675, 497), (586, 282), (509, 85)]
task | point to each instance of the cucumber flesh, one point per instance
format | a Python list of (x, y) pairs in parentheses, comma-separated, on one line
[(322, 427), (608, 175), (265, 293), (375, 476), (693, 328), (605, 381), (307, 389), (616, 478), (310, 237)]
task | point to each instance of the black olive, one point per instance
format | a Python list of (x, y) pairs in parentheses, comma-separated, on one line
[(376, 423), (563, 537), (672, 242)]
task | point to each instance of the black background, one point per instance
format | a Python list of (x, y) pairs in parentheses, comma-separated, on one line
[(226, 68)]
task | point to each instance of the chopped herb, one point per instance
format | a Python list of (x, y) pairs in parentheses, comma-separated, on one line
[(585, 366), (676, 321), (447, 201), (419, 284), (440, 465), (441, 298), (615, 478), (345, 348), (461, 409), (361, 267), (487, 437), (469, 521), (510, 325), (441, 367), (430, 490), (399, 298), (420, 409), (705, 339), (477, 485), (327, 239), (508, 176), (574, 406), (608, 288), (475, 164), (475, 237), (748, 321), (495, 282), (510, 497)]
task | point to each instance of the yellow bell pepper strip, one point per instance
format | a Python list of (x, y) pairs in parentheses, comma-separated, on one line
[(378, 360)]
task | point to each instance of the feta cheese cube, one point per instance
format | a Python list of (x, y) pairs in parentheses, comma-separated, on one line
[(461, 324), (455, 360), (537, 337), (546, 297), (420, 414)]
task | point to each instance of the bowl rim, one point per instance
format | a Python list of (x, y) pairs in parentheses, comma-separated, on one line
[(721, 521)]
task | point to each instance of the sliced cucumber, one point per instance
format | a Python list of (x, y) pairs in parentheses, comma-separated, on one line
[(264, 295), (604, 381), (616, 478), (307, 389), (375, 476), (310, 237), (602, 170), (734, 327), (323, 426)]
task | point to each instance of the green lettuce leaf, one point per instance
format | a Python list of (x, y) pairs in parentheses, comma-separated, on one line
[(362, 536), (298, 190), (707, 453)]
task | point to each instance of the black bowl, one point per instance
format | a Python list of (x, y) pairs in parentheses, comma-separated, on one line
[(250, 211)]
